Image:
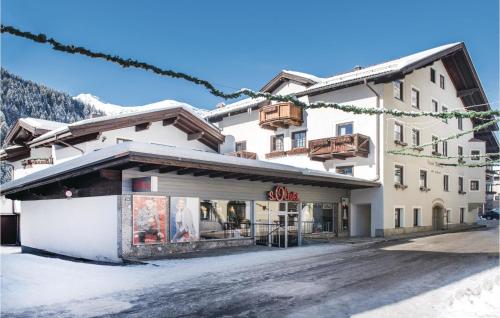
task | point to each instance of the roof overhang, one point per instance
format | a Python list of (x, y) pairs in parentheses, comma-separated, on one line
[(164, 159), (283, 76), (22, 132), (180, 118)]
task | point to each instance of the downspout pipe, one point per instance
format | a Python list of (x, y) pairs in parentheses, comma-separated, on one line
[(377, 135)]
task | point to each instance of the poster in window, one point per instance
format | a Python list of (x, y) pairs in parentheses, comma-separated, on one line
[(149, 219), (184, 219), (345, 213)]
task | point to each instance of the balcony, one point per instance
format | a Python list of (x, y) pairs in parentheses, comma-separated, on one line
[(280, 115), (243, 154), (341, 147)]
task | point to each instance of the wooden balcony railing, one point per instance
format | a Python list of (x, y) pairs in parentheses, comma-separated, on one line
[(341, 147), (280, 115), (243, 154)]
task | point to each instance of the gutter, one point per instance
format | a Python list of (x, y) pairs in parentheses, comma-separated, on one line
[(377, 178)]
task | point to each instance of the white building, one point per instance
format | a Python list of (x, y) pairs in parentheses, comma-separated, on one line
[(314, 172), (416, 193)]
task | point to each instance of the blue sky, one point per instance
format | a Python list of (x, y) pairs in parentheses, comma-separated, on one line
[(236, 44)]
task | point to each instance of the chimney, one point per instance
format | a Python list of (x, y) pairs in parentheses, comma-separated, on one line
[(357, 68), (220, 105)]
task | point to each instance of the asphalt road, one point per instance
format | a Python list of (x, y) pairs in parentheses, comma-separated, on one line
[(339, 284)]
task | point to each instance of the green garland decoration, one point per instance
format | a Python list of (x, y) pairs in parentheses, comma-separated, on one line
[(456, 136), (472, 165), (72, 49), (488, 155)]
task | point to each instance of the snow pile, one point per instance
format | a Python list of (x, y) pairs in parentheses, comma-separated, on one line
[(113, 109)]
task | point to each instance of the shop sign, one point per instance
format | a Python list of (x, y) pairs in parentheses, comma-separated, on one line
[(280, 193)]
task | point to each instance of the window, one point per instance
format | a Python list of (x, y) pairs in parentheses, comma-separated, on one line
[(398, 174), (344, 129), (475, 154), (460, 184), (445, 148), (348, 170), (444, 110), (474, 185), (460, 123), (446, 182), (448, 215), (416, 216), (415, 98), (460, 153), (220, 219), (441, 81), (241, 145), (299, 139), (316, 218), (433, 75), (423, 179), (398, 132), (277, 143), (435, 145), (398, 89), (122, 140), (435, 105), (398, 214), (462, 215), (415, 137)]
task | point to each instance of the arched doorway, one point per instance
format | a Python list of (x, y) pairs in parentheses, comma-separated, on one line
[(437, 217)]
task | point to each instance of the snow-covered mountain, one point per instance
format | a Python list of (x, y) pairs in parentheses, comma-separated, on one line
[(113, 109)]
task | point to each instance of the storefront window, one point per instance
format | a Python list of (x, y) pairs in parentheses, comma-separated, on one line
[(317, 217), (222, 219)]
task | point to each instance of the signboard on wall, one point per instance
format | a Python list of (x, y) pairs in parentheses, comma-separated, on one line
[(145, 184), (184, 219), (149, 219), (281, 193)]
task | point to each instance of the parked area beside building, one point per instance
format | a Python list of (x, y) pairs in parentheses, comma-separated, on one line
[(174, 178)]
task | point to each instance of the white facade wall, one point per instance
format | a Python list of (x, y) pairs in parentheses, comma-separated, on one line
[(78, 227), (412, 197), (156, 133)]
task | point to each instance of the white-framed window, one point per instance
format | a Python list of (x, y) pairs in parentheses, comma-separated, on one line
[(460, 152), (444, 109), (460, 122), (435, 145), (441, 81), (299, 139), (398, 89), (277, 143), (415, 137), (445, 148), (399, 217), (417, 216), (398, 132), (435, 106), (446, 183), (399, 174), (448, 216), (423, 179), (241, 145), (415, 97), (433, 75), (474, 154), (474, 185), (460, 184), (462, 215), (345, 129)]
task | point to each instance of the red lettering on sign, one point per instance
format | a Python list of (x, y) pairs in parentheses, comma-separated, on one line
[(280, 193)]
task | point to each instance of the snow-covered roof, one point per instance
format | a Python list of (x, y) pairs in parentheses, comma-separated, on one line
[(42, 123), (340, 79), (117, 112), (235, 107), (378, 69), (122, 150)]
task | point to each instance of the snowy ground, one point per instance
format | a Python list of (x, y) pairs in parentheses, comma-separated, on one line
[(449, 275)]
